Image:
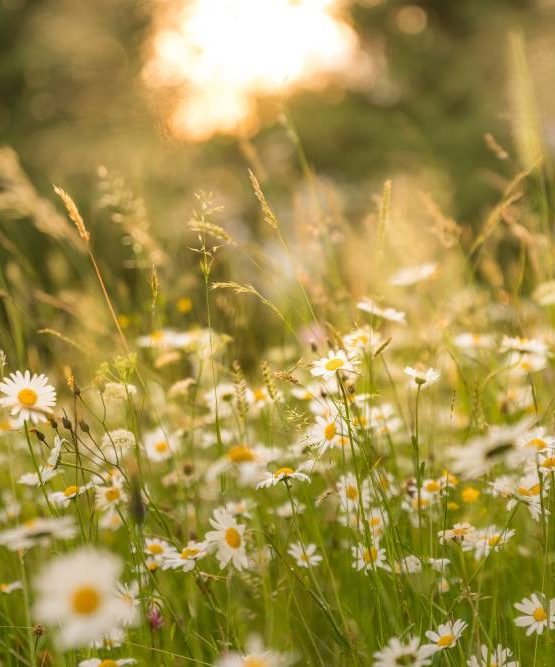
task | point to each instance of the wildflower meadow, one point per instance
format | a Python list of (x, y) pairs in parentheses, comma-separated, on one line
[(286, 418)]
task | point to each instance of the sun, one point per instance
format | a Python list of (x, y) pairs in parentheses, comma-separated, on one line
[(216, 58)]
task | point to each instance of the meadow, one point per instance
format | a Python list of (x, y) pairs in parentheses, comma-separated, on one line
[(284, 397), (375, 487)]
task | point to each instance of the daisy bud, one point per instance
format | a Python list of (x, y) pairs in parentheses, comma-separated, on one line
[(84, 426), (39, 630), (54, 423), (67, 423), (137, 508), (188, 468)]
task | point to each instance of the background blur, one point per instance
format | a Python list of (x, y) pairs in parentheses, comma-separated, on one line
[(135, 106)]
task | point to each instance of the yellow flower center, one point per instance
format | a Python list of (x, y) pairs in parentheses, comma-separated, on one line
[(532, 491), (548, 463), (334, 364), (329, 431), (284, 471), (470, 494), (538, 443), (259, 395), (424, 503), (240, 454), (432, 486), (108, 663), (4, 588), (71, 491), (446, 640), (375, 521), (253, 661), (27, 397), (152, 566), (494, 540), (155, 548), (85, 600), (157, 336), (369, 555), (161, 447), (112, 494), (233, 538), (351, 492), (539, 614), (189, 552), (184, 304)]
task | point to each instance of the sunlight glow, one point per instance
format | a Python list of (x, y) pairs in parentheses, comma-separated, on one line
[(215, 58)]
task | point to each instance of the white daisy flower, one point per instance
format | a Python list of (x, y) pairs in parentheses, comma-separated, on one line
[(397, 653), (350, 494), (470, 342), (327, 367), (159, 445), (76, 593), (246, 462), (446, 636), (490, 539), (377, 521), (165, 339), (326, 432), (499, 657), (524, 364), (222, 397), (477, 456), (256, 655), (259, 398), (28, 397), (439, 564), (408, 565), (110, 520), (186, 558), (8, 588), (528, 491), (305, 556), (157, 548), (461, 532), (361, 340), (369, 558), (537, 614), (128, 594), (523, 345), (110, 640), (384, 419), (110, 495), (390, 314), (38, 531), (63, 498), (240, 508), (284, 474), (228, 540), (410, 275), (421, 378)]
